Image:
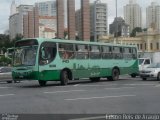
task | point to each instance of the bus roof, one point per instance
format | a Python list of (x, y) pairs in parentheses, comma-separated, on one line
[(40, 40)]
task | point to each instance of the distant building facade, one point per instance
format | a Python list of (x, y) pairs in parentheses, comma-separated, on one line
[(85, 19), (119, 28), (47, 26), (78, 24), (31, 24), (98, 19), (16, 20), (13, 9), (153, 16), (47, 8), (147, 41), (133, 15)]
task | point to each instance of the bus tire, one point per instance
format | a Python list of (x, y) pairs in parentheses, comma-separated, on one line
[(115, 75), (95, 79), (42, 83), (144, 79), (133, 75), (9, 81), (64, 77), (158, 76)]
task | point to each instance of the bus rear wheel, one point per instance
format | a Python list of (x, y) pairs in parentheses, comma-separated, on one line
[(115, 75), (64, 77), (144, 79), (42, 83), (158, 76), (95, 79)]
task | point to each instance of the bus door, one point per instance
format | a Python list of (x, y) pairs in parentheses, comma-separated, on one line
[(47, 66)]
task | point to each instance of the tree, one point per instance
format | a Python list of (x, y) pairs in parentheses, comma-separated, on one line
[(5, 61), (137, 29)]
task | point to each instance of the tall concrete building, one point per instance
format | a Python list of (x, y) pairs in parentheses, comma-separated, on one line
[(71, 19), (153, 16), (31, 24), (133, 15), (98, 19), (13, 9), (16, 20), (47, 8), (60, 18), (85, 20), (78, 25)]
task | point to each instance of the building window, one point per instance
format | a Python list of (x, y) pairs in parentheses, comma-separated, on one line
[(151, 46), (145, 46), (138, 46), (157, 46), (141, 46)]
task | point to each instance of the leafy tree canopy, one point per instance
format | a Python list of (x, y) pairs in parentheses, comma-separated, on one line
[(137, 29)]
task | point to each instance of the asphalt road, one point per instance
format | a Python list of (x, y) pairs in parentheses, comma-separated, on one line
[(127, 95)]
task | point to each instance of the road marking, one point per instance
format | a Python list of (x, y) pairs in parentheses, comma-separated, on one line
[(140, 84), (90, 118), (81, 85), (76, 85), (4, 87), (65, 91), (119, 88), (157, 86), (6, 95), (100, 97)]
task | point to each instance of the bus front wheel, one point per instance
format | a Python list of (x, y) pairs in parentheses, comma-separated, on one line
[(42, 83), (64, 77), (115, 75)]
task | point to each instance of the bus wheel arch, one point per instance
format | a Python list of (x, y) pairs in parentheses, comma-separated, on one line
[(42, 83), (115, 74), (65, 76)]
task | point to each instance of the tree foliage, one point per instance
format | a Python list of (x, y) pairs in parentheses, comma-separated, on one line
[(137, 29), (4, 61), (5, 43)]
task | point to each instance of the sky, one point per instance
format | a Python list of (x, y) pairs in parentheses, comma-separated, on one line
[(5, 9)]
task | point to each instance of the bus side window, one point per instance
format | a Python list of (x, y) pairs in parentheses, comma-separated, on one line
[(47, 53), (126, 53), (117, 53), (106, 52), (95, 52), (82, 51), (66, 51)]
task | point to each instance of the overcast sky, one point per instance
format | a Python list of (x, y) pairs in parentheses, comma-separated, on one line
[(5, 9)]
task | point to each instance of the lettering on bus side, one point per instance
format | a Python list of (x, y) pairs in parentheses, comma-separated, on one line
[(65, 61), (52, 65)]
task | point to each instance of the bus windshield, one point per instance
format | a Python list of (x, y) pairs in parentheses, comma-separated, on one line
[(25, 56)]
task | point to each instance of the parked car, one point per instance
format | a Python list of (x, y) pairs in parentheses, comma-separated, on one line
[(6, 74), (152, 71)]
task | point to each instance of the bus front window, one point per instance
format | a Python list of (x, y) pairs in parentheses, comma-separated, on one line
[(25, 56)]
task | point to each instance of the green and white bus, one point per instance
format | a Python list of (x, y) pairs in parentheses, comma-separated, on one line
[(64, 60)]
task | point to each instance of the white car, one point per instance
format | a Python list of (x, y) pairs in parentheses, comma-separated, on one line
[(152, 71), (6, 74)]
